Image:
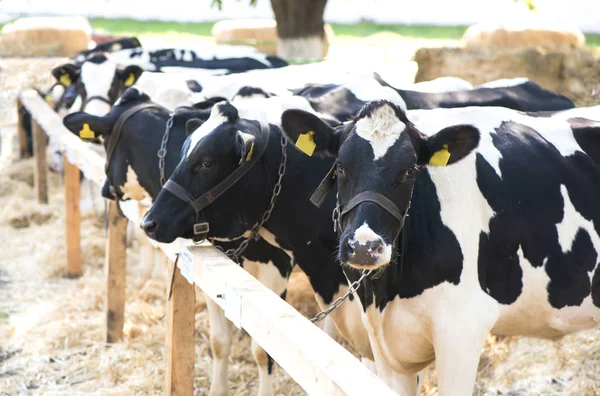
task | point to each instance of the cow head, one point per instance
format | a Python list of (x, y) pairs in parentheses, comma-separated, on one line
[(97, 80), (212, 151), (379, 151), (122, 181)]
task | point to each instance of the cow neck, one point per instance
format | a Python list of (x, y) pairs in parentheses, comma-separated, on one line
[(293, 205)]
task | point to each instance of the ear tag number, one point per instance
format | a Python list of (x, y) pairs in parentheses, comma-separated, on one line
[(306, 143), (130, 80), (440, 157), (86, 132), (65, 80)]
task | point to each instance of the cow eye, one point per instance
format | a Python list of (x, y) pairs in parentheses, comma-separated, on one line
[(207, 164), (410, 172), (340, 170)]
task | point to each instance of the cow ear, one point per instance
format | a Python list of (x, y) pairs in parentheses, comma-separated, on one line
[(88, 127), (192, 125), (130, 74), (449, 145), (67, 74), (309, 133), (245, 143)]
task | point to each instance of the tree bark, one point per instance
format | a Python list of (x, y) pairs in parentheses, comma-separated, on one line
[(300, 28)]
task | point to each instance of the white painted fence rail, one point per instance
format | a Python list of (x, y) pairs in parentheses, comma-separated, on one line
[(316, 362)]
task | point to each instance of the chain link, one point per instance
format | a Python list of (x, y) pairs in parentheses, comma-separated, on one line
[(353, 288), (234, 254), (162, 152)]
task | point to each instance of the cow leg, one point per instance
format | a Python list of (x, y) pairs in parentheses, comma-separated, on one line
[(458, 341), (265, 367), (220, 342)]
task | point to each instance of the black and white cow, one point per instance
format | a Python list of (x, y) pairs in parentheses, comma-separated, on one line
[(124, 43), (228, 59), (344, 100), (502, 233), (134, 174), (302, 230)]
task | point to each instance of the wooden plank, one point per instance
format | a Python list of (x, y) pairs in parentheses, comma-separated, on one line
[(40, 169), (179, 379), (73, 219), (115, 264), (23, 151)]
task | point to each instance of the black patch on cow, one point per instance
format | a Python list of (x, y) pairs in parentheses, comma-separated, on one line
[(247, 91), (332, 99), (194, 86), (433, 254), (97, 58), (528, 204), (228, 111), (596, 287)]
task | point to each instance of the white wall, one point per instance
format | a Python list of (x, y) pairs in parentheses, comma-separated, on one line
[(583, 13)]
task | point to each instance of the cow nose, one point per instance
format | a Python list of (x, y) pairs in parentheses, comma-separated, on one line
[(367, 252), (149, 227)]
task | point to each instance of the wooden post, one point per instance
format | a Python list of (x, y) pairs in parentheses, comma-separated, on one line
[(73, 219), (180, 335), (23, 152), (115, 260), (40, 170)]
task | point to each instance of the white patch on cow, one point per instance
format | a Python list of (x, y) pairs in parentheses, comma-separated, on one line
[(366, 88), (382, 128), (216, 118), (187, 56), (97, 79), (132, 188), (555, 130), (441, 84), (269, 110), (571, 222), (504, 83), (591, 113), (364, 234)]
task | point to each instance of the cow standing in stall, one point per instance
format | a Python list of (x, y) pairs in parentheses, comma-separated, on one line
[(134, 173), (440, 283)]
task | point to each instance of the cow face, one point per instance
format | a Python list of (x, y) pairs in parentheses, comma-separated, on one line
[(122, 181), (98, 81), (214, 149), (379, 151)]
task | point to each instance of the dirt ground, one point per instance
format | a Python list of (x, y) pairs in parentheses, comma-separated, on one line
[(51, 327)]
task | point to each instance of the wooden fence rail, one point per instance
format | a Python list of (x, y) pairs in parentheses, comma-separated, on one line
[(316, 362)]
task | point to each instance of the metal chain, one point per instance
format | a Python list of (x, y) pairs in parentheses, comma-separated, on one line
[(162, 152), (354, 286), (234, 254)]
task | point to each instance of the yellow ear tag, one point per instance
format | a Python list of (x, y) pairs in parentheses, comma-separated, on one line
[(65, 80), (48, 98), (249, 156), (306, 143), (440, 157), (130, 80), (86, 132)]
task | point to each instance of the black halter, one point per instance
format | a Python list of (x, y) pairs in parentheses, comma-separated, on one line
[(86, 101), (342, 209), (202, 227)]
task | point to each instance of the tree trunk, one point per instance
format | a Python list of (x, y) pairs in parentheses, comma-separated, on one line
[(300, 28)]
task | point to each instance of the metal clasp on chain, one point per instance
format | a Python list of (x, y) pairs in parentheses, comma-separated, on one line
[(353, 288)]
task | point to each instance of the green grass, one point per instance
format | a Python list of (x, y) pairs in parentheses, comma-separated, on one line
[(408, 31), (141, 28)]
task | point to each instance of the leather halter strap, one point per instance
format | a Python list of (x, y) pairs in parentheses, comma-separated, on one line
[(201, 227), (371, 196), (117, 130)]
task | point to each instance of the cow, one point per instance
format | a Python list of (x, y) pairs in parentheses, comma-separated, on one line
[(344, 100), (115, 45), (464, 221), (209, 154), (133, 173)]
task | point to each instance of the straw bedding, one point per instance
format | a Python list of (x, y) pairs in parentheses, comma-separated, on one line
[(51, 327)]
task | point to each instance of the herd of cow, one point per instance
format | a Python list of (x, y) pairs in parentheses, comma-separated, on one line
[(455, 210)]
